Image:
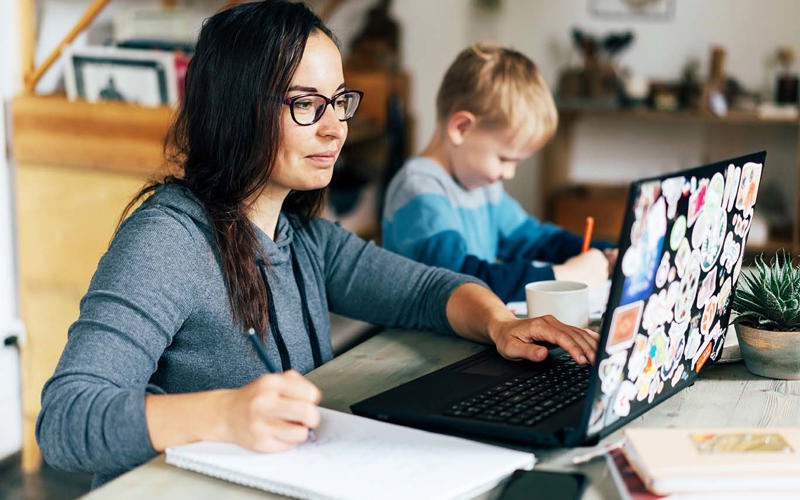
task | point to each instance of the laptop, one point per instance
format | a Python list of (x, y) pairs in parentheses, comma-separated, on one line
[(680, 254)]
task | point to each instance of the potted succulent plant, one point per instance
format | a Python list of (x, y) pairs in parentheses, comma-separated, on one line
[(767, 305)]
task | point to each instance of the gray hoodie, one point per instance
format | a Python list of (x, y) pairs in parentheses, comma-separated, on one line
[(156, 319)]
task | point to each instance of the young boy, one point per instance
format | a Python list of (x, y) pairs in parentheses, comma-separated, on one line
[(447, 207)]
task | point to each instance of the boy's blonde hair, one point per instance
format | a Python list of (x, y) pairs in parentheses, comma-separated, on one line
[(502, 88)]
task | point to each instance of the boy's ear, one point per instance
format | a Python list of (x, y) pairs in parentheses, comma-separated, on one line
[(459, 125)]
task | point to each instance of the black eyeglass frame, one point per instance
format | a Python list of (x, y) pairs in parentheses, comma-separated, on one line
[(289, 101)]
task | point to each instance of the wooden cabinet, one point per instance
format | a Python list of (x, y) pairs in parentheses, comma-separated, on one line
[(568, 203)]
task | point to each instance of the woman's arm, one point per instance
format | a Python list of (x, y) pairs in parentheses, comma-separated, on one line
[(272, 413), (475, 313), (102, 413)]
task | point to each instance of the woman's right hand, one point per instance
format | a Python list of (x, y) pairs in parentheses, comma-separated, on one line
[(590, 267), (272, 413)]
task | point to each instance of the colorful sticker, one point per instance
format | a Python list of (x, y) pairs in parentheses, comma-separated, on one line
[(715, 192), (638, 358), (692, 342), (697, 200), (624, 326), (709, 315), (704, 354), (677, 233), (715, 219), (672, 190), (641, 260), (656, 312), (731, 186), (682, 257), (707, 288), (610, 371), (622, 399), (730, 252), (724, 295), (688, 289), (663, 271), (748, 188), (674, 355)]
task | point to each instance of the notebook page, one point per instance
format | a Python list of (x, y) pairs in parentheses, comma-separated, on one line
[(359, 458)]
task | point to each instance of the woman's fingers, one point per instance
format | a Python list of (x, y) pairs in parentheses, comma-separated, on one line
[(274, 412), (279, 435), (290, 385), (520, 341)]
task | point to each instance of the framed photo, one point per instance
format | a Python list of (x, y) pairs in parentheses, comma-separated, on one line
[(659, 10), (144, 77)]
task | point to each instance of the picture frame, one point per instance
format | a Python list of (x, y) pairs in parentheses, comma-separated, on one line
[(657, 10), (100, 73)]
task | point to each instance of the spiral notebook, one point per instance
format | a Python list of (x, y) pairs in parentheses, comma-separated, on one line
[(359, 458)]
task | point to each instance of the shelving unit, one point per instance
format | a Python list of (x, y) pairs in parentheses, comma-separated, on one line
[(567, 203)]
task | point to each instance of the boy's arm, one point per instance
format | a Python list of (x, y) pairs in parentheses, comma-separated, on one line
[(507, 279), (524, 237)]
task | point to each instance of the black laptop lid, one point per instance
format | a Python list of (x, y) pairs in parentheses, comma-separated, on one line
[(680, 253)]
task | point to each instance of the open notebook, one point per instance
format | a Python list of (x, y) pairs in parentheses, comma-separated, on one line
[(360, 458)]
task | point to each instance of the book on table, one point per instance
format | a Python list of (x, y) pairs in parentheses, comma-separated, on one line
[(696, 460)]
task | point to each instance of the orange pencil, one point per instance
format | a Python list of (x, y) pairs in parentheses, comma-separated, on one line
[(587, 233)]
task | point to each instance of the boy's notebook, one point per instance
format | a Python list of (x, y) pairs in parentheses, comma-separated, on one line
[(715, 459), (355, 457)]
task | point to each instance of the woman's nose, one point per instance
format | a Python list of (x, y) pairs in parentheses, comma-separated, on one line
[(329, 124)]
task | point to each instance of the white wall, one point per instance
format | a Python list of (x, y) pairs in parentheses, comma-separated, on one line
[(613, 150), (10, 396)]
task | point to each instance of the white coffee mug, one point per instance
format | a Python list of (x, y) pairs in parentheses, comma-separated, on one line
[(568, 301)]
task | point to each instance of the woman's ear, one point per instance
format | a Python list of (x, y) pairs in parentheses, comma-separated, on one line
[(459, 125)]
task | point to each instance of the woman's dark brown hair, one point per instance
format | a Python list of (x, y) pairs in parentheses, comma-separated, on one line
[(227, 132)]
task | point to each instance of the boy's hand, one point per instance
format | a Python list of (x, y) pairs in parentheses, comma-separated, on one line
[(518, 339), (590, 267)]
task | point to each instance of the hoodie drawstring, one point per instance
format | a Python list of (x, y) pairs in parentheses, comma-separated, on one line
[(273, 317)]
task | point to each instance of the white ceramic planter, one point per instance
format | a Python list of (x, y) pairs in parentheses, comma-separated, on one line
[(770, 354)]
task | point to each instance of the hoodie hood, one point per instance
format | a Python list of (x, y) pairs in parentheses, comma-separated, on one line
[(180, 199)]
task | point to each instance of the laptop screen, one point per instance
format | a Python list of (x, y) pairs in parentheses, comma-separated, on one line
[(680, 253)]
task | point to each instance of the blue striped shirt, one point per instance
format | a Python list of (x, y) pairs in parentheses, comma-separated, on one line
[(482, 232)]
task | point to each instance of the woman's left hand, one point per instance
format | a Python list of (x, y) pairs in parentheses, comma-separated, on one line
[(477, 314), (520, 339)]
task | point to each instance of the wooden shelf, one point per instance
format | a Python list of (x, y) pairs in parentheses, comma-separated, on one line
[(557, 188), (734, 117), (50, 130)]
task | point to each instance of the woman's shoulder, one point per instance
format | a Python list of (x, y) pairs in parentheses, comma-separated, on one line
[(169, 220)]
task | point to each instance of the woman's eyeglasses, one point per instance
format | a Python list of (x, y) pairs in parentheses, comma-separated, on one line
[(307, 109)]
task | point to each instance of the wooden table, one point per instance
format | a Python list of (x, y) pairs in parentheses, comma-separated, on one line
[(727, 395)]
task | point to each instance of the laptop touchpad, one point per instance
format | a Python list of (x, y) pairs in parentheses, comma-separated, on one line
[(492, 366)]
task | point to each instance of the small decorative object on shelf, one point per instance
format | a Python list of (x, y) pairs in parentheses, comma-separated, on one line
[(98, 73), (767, 305), (787, 88), (595, 83)]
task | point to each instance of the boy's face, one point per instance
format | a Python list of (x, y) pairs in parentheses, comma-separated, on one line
[(486, 156)]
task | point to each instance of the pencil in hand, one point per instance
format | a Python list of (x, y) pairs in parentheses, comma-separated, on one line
[(587, 234), (262, 353)]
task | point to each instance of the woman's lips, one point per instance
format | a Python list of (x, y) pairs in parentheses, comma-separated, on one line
[(323, 157)]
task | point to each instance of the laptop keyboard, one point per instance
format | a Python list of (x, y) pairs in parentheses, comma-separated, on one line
[(529, 398)]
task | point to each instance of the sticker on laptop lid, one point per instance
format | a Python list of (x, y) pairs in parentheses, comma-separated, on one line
[(740, 442)]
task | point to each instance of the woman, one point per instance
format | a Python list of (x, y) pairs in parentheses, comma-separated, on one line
[(160, 355)]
